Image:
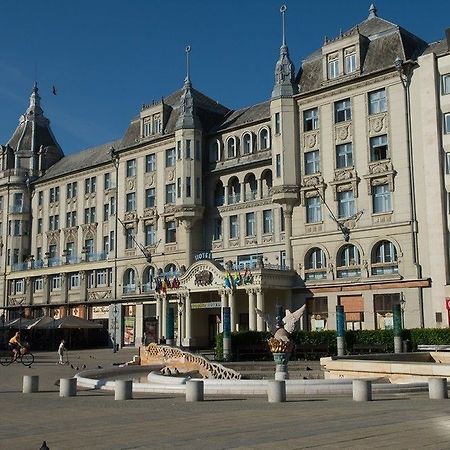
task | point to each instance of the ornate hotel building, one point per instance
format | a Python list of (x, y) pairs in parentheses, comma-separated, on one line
[(333, 191)]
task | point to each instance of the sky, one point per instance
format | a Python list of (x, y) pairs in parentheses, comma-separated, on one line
[(108, 57)]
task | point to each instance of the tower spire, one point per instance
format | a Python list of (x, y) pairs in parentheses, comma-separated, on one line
[(372, 11), (187, 80), (283, 10)]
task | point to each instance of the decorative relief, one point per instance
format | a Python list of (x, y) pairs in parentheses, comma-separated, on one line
[(87, 228), (250, 205), (131, 216), (149, 180), (310, 140), (70, 233), (217, 245), (150, 212), (345, 180), (343, 133), (234, 243), (131, 183), (267, 239), (380, 173), (53, 235), (285, 189), (385, 218), (250, 241), (99, 295), (377, 124), (170, 248), (170, 175), (203, 278)]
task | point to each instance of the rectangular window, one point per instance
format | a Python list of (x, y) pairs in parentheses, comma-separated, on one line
[(197, 150), (170, 157), (170, 193), (52, 251), (112, 209), (378, 148), (89, 246), (89, 215), (70, 249), (447, 123), (131, 201), (311, 119), (217, 230), (278, 166), (131, 168), (188, 186), (40, 198), (105, 212), (55, 283), (150, 197), (267, 221), (54, 194), (39, 226), (111, 241), (282, 220), (446, 84), (106, 244), (350, 63), (71, 219), (74, 280), (107, 181), (38, 284), (129, 237), (197, 187), (102, 277), (312, 162), (178, 149), (150, 234), (250, 228), (277, 123), (234, 227), (90, 185), (377, 101), (188, 149), (344, 155), (342, 111), (346, 204), (171, 231), (333, 68), (150, 162), (381, 196), (72, 190), (313, 210), (178, 187), (54, 222)]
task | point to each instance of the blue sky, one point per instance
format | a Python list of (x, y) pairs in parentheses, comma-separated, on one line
[(108, 57)]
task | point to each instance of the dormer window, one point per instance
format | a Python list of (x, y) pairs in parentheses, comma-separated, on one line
[(152, 125), (350, 60), (333, 66), (231, 147), (264, 139), (247, 143)]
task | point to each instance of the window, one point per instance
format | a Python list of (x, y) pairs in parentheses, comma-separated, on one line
[(71, 190), (107, 181), (71, 219), (70, 249), (217, 230), (214, 152), (447, 123), (188, 149), (106, 244), (234, 227), (344, 155), (129, 281), (188, 186), (74, 280), (264, 141), (178, 149), (38, 284), (313, 210), (129, 237), (197, 187), (350, 62), (384, 258), (311, 119), (55, 282), (346, 204), (282, 220), (39, 226), (112, 209), (381, 197), (197, 150), (150, 162), (90, 185), (446, 84), (54, 194), (131, 168), (40, 198), (170, 193), (171, 231), (150, 234), (53, 222), (150, 198), (170, 157), (312, 162), (342, 111), (111, 241), (377, 101), (315, 264), (267, 221), (131, 201), (106, 212), (333, 67), (250, 229), (178, 187), (348, 262), (278, 166), (277, 119), (247, 143), (378, 148), (447, 163), (89, 246), (89, 215)]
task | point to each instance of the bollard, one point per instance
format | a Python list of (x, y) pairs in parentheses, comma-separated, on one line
[(123, 390), (276, 391), (194, 391), (362, 390), (67, 387), (281, 372), (437, 388), (30, 384)]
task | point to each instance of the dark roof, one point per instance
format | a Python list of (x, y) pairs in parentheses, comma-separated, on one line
[(439, 48), (244, 116)]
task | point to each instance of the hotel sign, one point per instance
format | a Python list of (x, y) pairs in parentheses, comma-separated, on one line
[(205, 305), (203, 255)]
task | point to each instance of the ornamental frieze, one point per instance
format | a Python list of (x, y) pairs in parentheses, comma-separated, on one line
[(380, 173), (285, 189), (345, 180), (53, 235), (252, 204)]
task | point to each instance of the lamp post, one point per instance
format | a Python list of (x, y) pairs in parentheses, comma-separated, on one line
[(180, 323), (402, 307), (115, 161)]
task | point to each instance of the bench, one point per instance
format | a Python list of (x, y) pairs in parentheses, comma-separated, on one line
[(310, 351), (255, 352), (368, 348), (433, 348)]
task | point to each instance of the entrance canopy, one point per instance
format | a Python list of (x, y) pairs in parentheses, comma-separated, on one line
[(66, 322)]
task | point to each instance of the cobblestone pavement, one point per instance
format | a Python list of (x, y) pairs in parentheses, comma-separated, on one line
[(94, 420)]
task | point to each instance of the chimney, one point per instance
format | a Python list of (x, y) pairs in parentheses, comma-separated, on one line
[(447, 35)]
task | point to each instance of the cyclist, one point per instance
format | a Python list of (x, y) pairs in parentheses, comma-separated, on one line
[(15, 345)]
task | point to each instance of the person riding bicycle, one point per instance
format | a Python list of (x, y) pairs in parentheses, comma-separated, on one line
[(15, 345)]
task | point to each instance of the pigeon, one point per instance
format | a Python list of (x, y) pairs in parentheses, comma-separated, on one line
[(77, 368), (54, 90), (71, 366), (305, 378), (99, 367), (83, 366), (44, 446), (308, 368)]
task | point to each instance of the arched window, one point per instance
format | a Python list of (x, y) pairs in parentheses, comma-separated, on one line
[(384, 258), (315, 264), (234, 191), (215, 152), (247, 143), (170, 270), (219, 193), (348, 262), (264, 139), (129, 281), (231, 148), (251, 189), (148, 279), (266, 184)]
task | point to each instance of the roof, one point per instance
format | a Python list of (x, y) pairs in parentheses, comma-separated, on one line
[(244, 116)]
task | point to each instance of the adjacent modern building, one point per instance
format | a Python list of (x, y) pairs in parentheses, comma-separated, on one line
[(335, 191)]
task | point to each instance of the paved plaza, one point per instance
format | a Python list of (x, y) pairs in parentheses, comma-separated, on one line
[(94, 420)]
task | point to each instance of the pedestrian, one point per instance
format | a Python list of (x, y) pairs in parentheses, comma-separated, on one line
[(61, 350)]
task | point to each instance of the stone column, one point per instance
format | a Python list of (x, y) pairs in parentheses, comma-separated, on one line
[(188, 245), (165, 306), (159, 315), (139, 338), (188, 321), (242, 192), (232, 305), (251, 310), (260, 324), (225, 195), (288, 235), (224, 303), (64, 287), (28, 291), (46, 290), (259, 188)]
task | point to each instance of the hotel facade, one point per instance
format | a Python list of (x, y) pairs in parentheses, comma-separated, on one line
[(332, 192)]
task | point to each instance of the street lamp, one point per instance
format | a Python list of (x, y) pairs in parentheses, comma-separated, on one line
[(402, 307), (115, 161), (180, 318)]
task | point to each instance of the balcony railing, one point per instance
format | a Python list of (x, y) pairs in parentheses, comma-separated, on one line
[(129, 288), (17, 267), (19, 209), (149, 287), (100, 256), (234, 198), (250, 195), (52, 262)]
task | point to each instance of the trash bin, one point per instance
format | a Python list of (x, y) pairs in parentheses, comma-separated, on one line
[(405, 346)]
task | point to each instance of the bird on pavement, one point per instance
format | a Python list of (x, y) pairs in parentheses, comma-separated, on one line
[(44, 446), (83, 366), (99, 367), (71, 366)]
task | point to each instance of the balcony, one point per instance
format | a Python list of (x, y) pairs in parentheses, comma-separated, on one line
[(234, 198), (100, 256), (15, 209), (250, 195), (129, 288), (149, 287), (17, 267)]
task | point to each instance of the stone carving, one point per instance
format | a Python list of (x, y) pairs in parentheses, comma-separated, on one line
[(170, 175), (343, 133), (345, 174), (185, 362), (203, 278), (381, 167), (149, 180), (131, 184), (311, 140), (376, 124)]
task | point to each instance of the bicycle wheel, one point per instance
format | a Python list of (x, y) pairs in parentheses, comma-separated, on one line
[(6, 359), (27, 359)]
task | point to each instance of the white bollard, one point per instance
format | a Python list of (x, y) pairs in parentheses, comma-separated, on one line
[(67, 387), (30, 384), (281, 372), (123, 390), (276, 391), (398, 344), (340, 342), (437, 388), (362, 390), (194, 391)]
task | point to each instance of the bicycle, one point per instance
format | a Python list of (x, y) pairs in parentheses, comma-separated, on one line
[(24, 356)]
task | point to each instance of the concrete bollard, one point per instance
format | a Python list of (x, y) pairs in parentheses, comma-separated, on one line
[(281, 372), (362, 390), (67, 387), (30, 384), (123, 390), (276, 391), (194, 391), (437, 388)]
